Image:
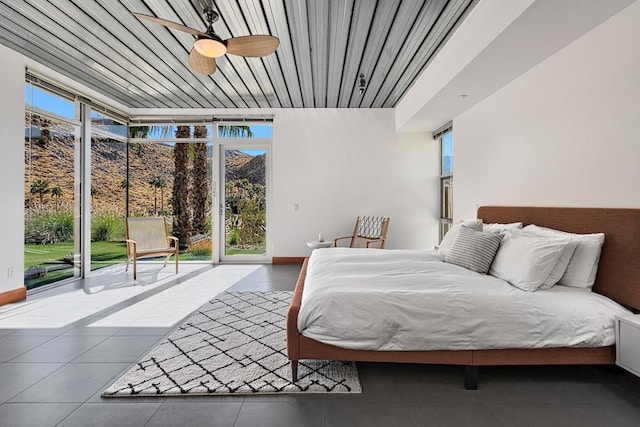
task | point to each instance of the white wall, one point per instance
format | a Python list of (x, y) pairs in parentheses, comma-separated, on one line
[(337, 164), (11, 168), (484, 24), (566, 133)]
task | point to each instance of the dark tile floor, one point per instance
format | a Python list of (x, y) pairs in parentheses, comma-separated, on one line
[(55, 377)]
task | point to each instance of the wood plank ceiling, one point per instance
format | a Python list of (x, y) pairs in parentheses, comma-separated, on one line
[(324, 46)]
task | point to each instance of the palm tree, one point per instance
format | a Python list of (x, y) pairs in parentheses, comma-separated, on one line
[(40, 187), (56, 192), (181, 220), (200, 181), (161, 183), (235, 131)]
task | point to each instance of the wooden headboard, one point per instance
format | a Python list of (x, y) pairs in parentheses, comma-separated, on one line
[(619, 269)]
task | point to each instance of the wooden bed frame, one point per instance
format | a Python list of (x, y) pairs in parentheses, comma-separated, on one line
[(618, 278)]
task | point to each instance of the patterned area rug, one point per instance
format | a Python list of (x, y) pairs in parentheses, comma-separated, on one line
[(234, 344)]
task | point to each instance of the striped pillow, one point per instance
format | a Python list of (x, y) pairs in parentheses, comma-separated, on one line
[(474, 250)]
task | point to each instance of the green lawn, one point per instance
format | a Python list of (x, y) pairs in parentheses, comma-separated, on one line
[(102, 254), (106, 253), (256, 251), (35, 254)]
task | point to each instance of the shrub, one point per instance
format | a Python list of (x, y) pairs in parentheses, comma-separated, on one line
[(48, 225), (201, 248), (234, 237), (106, 226)]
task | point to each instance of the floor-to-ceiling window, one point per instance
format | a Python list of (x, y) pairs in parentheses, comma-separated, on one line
[(209, 179), (170, 175), (87, 168), (445, 137), (75, 200), (108, 189), (52, 200)]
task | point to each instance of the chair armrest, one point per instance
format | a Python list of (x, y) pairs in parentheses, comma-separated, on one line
[(131, 249), (335, 241), (381, 241), (175, 239)]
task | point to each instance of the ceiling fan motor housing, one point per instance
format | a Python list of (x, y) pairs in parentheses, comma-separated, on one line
[(211, 45)]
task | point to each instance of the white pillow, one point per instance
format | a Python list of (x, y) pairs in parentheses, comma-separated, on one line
[(501, 228), (559, 269), (450, 237), (583, 266), (525, 261)]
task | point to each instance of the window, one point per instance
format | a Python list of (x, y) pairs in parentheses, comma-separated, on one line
[(66, 137), (445, 137), (108, 190), (243, 130), (51, 183), (170, 175)]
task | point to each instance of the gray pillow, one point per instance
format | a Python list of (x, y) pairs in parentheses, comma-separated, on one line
[(474, 250)]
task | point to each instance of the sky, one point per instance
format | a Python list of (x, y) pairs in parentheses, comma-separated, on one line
[(47, 101), (447, 152)]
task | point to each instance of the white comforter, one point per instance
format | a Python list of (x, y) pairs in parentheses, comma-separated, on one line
[(411, 300)]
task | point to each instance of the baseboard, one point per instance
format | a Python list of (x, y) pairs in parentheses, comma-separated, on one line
[(282, 260), (13, 296)]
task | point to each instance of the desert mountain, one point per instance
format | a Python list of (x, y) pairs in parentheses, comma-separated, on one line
[(49, 156)]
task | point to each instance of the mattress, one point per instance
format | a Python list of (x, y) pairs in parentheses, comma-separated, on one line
[(369, 299)]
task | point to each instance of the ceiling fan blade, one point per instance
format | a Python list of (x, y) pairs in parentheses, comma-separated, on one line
[(200, 63), (170, 24), (252, 46)]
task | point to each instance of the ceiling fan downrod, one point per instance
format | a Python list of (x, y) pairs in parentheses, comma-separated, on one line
[(210, 16)]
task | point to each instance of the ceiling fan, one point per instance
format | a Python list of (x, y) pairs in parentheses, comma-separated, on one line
[(209, 46)]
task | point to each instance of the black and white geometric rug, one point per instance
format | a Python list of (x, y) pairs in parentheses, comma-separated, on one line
[(234, 344)]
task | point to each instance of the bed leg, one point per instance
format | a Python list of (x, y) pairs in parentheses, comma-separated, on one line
[(471, 377), (294, 371)]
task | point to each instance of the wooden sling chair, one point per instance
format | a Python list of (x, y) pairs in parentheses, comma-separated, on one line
[(148, 237), (368, 230)]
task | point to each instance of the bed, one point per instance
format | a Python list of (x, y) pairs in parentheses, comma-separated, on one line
[(617, 279)]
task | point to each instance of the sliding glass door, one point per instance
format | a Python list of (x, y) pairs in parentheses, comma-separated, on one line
[(243, 204)]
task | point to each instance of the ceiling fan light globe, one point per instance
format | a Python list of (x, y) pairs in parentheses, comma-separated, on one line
[(210, 48)]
